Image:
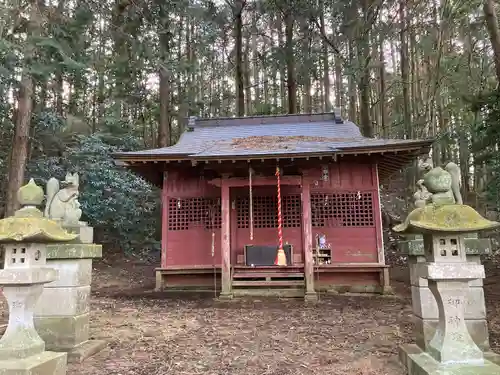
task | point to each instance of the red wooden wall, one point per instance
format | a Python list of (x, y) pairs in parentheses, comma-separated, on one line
[(345, 208), (191, 213)]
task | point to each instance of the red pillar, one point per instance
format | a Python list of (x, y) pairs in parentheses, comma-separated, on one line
[(226, 240), (164, 232), (307, 240), (164, 220), (377, 211)]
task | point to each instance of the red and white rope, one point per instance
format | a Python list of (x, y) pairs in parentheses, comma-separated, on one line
[(251, 202), (280, 231)]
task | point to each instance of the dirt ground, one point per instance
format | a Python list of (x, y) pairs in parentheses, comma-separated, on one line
[(151, 333)]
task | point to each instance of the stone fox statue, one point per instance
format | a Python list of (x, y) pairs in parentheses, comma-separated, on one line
[(62, 204), (443, 184)]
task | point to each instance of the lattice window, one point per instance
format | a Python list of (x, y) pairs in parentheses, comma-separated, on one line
[(292, 211), (350, 209), (243, 212), (191, 213), (265, 211)]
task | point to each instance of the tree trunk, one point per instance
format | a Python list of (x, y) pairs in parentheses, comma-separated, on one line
[(238, 41), (58, 87), (364, 58), (193, 63), (493, 32), (164, 76), (164, 124), (352, 85), (183, 111), (415, 89), (405, 79), (20, 142), (405, 72), (326, 66), (290, 61), (339, 87), (255, 65), (306, 68), (281, 64), (247, 81), (383, 89)]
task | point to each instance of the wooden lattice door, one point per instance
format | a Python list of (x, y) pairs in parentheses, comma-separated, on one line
[(265, 222)]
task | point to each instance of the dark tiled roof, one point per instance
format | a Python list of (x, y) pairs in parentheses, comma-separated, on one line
[(269, 135)]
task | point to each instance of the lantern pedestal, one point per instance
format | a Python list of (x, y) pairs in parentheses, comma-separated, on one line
[(62, 314), (22, 351), (451, 350), (419, 362), (425, 309), (452, 342)]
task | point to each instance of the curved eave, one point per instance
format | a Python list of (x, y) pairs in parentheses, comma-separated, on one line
[(421, 147), (33, 229), (390, 158), (36, 236)]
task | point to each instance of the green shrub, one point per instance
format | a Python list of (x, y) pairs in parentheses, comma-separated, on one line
[(123, 207)]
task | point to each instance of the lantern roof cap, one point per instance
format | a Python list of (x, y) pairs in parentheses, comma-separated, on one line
[(446, 218), (28, 223)]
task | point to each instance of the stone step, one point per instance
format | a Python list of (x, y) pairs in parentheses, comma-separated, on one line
[(270, 283), (274, 275)]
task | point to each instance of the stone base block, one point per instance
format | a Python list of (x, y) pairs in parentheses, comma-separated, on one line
[(424, 332), (425, 305), (71, 272), (85, 233), (225, 296), (416, 265), (85, 350), (311, 297), (73, 251), (45, 363), (63, 301), (63, 333), (417, 362), (492, 357)]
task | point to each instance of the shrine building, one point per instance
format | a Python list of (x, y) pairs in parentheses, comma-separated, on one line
[(235, 189)]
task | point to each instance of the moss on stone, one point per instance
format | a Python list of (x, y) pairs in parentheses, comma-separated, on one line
[(28, 224), (33, 229), (445, 218), (73, 251), (30, 194), (473, 246)]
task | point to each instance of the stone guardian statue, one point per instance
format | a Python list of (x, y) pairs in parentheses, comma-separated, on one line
[(62, 204), (442, 185)]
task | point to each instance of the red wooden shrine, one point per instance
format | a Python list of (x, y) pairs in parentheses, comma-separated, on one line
[(330, 178)]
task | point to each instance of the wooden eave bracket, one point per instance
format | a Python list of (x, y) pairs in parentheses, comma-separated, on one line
[(257, 181), (413, 151)]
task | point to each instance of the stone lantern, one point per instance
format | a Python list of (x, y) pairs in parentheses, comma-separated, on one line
[(62, 313), (444, 227), (24, 237)]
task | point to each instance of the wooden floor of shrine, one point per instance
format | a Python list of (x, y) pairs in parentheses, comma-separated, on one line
[(287, 281)]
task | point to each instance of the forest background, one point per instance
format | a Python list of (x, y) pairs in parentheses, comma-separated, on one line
[(80, 79)]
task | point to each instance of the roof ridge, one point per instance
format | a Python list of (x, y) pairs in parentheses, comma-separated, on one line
[(195, 122)]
